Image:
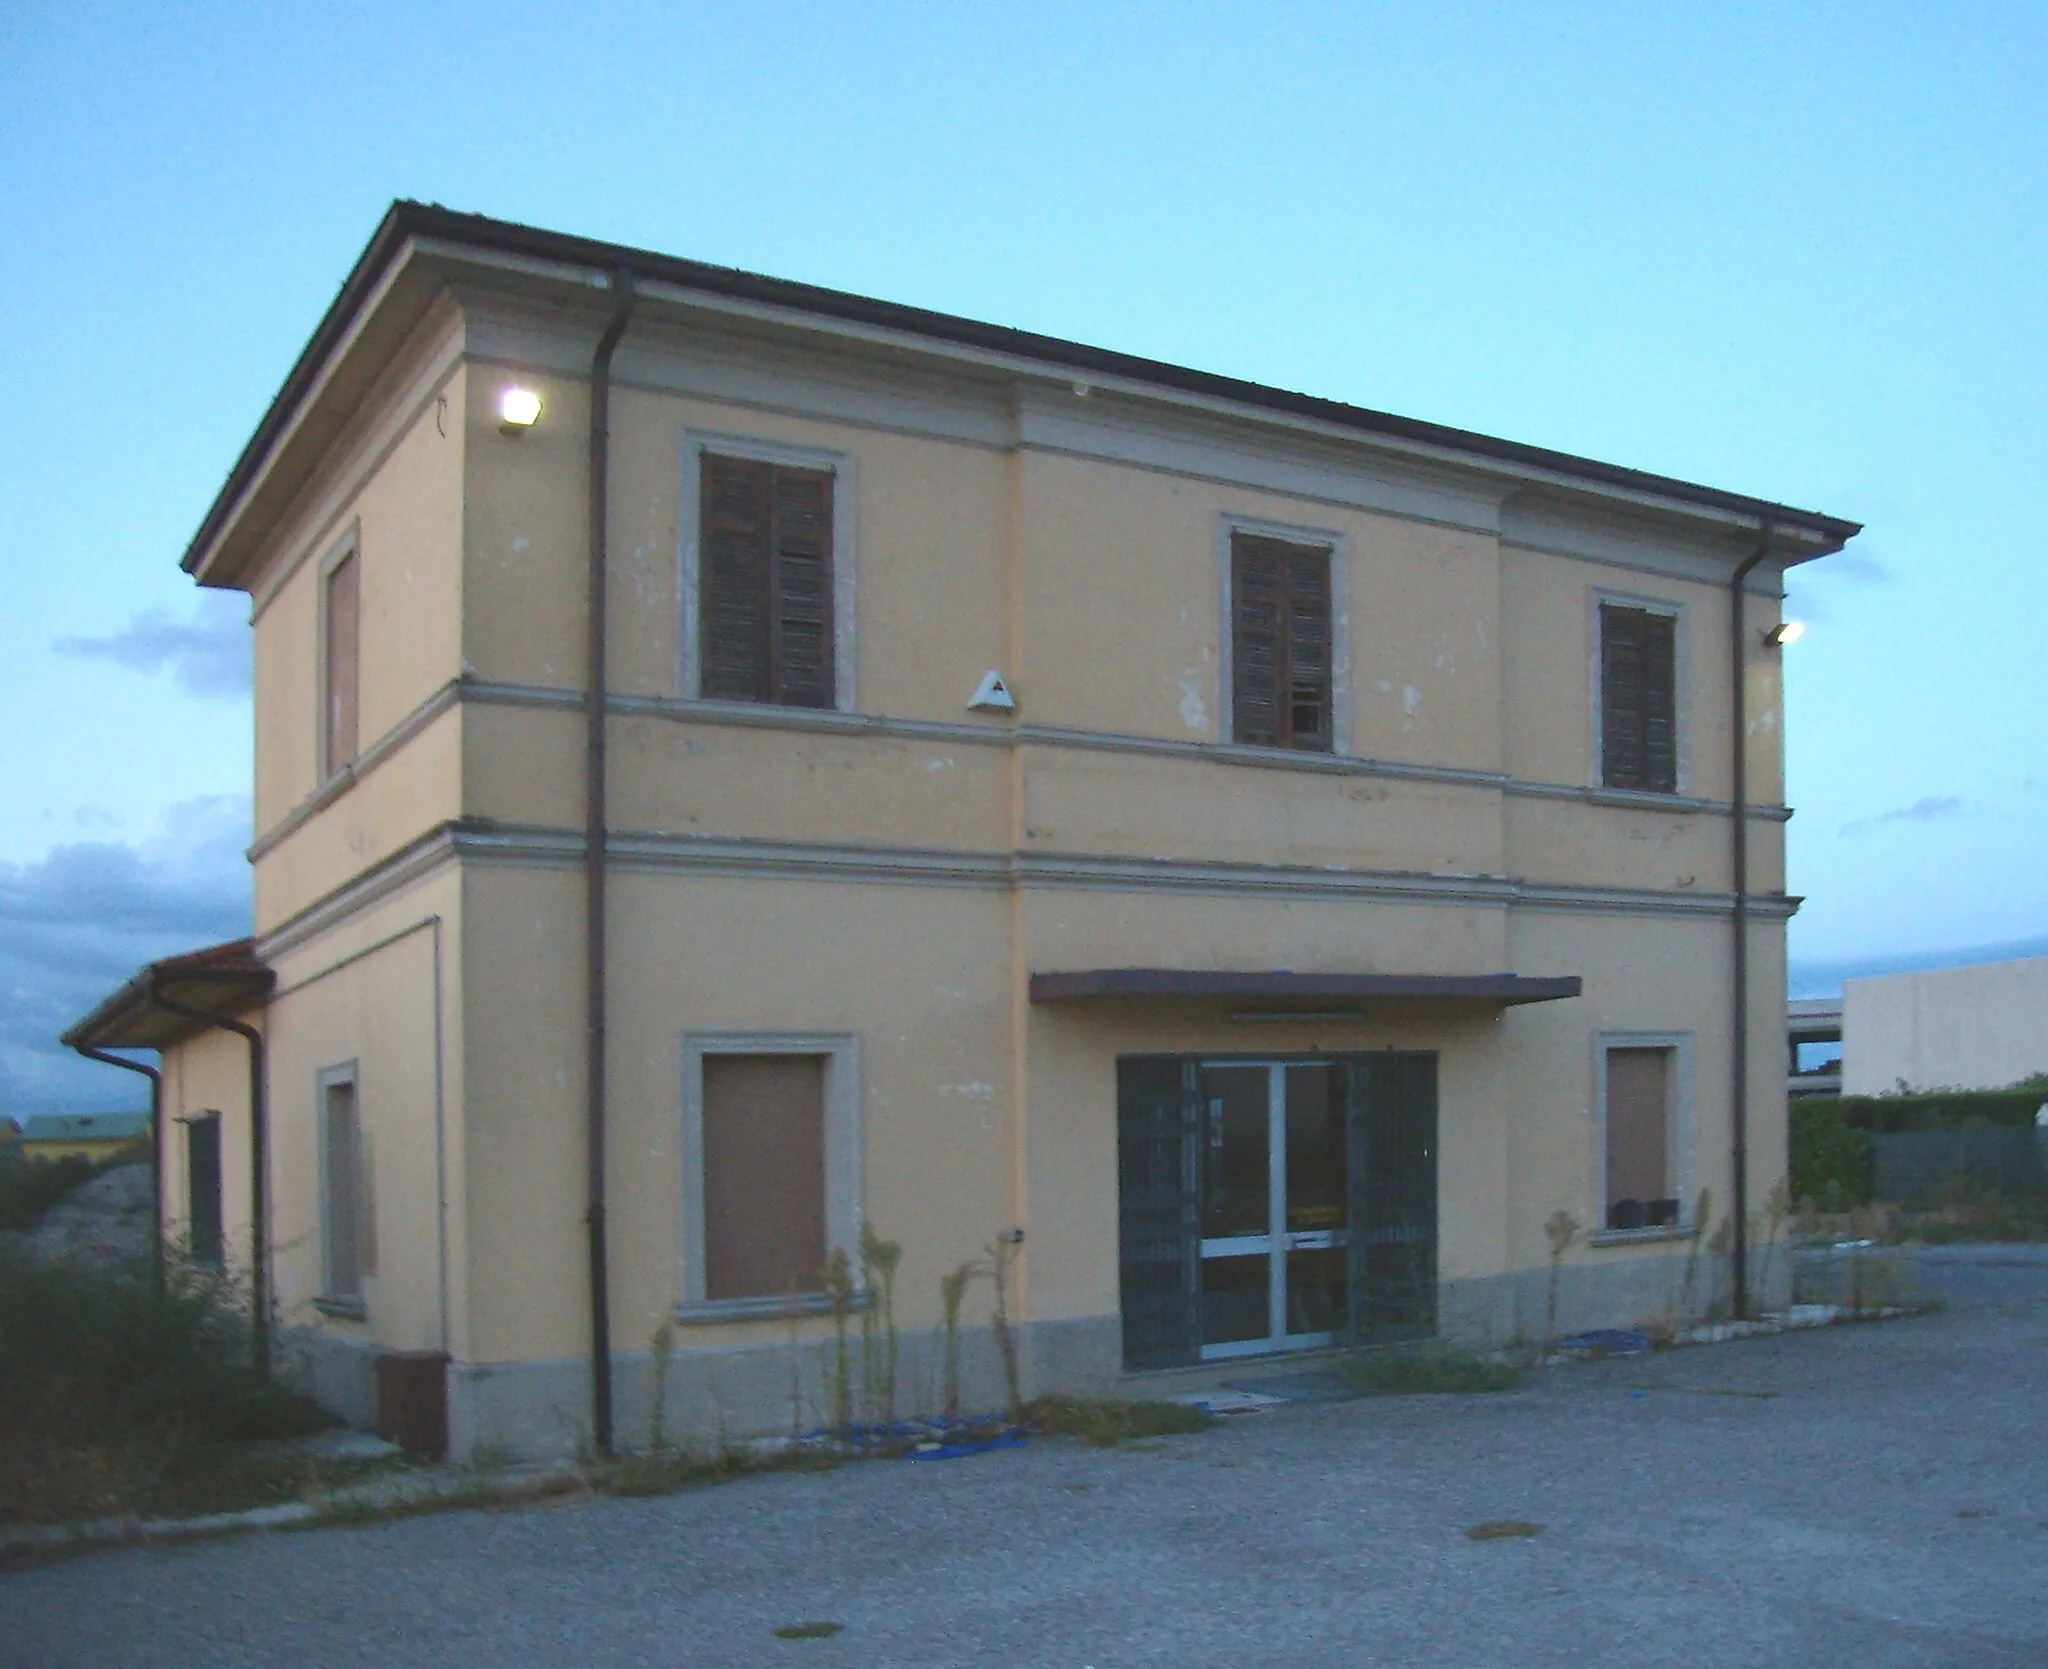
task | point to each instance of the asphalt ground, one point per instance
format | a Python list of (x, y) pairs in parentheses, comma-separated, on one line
[(1868, 1495)]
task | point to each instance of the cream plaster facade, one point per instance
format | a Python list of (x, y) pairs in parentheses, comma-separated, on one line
[(896, 871)]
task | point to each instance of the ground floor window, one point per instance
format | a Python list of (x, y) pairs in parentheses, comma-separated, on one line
[(1274, 1204), (770, 1147), (205, 1237), (345, 1239), (1640, 1095)]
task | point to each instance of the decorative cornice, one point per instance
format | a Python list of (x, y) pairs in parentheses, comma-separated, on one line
[(544, 847)]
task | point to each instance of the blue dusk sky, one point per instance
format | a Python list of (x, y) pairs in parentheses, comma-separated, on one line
[(1796, 251)]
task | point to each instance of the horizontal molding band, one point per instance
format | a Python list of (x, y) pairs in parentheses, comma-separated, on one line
[(535, 846)]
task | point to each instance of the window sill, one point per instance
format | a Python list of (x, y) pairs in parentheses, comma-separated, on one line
[(343, 1309), (711, 1311), (1642, 1237)]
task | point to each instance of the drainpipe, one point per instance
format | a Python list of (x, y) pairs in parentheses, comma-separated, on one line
[(259, 1169), (1738, 703), (156, 1152), (594, 866)]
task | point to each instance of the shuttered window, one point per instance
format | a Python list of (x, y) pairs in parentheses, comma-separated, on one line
[(342, 1195), (1638, 1118), (1280, 643), (765, 583), (343, 650), (1638, 699), (764, 1175)]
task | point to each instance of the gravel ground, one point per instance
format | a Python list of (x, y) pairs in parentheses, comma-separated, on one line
[(1871, 1495)]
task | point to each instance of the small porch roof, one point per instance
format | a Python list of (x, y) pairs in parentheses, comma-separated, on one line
[(221, 979), (1284, 985)]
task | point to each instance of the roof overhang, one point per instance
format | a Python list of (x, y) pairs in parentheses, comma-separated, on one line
[(419, 250), (1281, 985), (222, 980)]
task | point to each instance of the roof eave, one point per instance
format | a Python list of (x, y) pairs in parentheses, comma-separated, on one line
[(405, 223)]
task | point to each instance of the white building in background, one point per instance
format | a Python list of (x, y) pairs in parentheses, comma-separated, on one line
[(1980, 1027)]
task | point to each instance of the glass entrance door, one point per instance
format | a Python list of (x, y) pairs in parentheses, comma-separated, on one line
[(1275, 1224)]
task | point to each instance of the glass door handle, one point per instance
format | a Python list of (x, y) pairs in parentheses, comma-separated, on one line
[(1316, 1240)]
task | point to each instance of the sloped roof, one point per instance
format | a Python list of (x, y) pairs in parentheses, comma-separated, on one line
[(224, 980)]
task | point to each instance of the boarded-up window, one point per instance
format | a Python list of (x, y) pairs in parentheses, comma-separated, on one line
[(341, 1191), (1639, 1189), (764, 1175), (764, 581), (344, 612), (1280, 643), (204, 1235), (1638, 699)]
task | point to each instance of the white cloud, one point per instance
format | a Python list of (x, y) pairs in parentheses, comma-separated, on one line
[(208, 654), (76, 924)]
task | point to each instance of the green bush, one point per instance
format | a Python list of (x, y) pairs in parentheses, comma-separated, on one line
[(1830, 1157), (1943, 1109), (1426, 1370), (107, 1384), (29, 1187)]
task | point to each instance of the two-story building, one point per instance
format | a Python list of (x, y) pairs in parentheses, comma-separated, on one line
[(736, 761)]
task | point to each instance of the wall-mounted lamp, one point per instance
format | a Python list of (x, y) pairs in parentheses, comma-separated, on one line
[(518, 410), (1786, 631)]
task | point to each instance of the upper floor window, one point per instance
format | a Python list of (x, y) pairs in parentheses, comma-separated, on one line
[(765, 583), (1638, 698), (1281, 643), (341, 663)]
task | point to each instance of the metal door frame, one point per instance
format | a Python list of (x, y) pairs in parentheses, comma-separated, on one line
[(1278, 1240)]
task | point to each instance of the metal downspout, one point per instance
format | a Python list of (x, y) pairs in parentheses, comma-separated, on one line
[(259, 1170), (594, 865), (156, 1152), (1738, 700)]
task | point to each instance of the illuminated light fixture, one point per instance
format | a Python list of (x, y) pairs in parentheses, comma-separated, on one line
[(518, 409), (1786, 631)]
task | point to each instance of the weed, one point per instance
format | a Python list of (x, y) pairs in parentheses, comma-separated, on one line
[(1502, 1529), (1560, 1228), (1426, 1370), (952, 1289), (1000, 1256), (1702, 1214), (878, 1262), (839, 1292), (111, 1384), (1106, 1422)]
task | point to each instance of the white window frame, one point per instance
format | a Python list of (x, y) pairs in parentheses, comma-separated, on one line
[(845, 543), (1681, 688), (1339, 546), (349, 1305), (841, 1053), (1678, 1133), (350, 544)]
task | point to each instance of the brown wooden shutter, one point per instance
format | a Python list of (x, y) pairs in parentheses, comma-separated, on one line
[(344, 662), (1257, 646), (1638, 699), (1638, 1131), (765, 583), (1660, 703), (1280, 644), (764, 1175), (802, 649), (733, 579), (1308, 648)]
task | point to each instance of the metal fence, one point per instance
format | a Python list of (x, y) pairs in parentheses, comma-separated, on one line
[(1917, 1168)]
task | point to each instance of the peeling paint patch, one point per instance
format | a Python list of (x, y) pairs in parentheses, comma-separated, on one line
[(1411, 699), (521, 544), (975, 1091), (938, 764), (1194, 713)]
